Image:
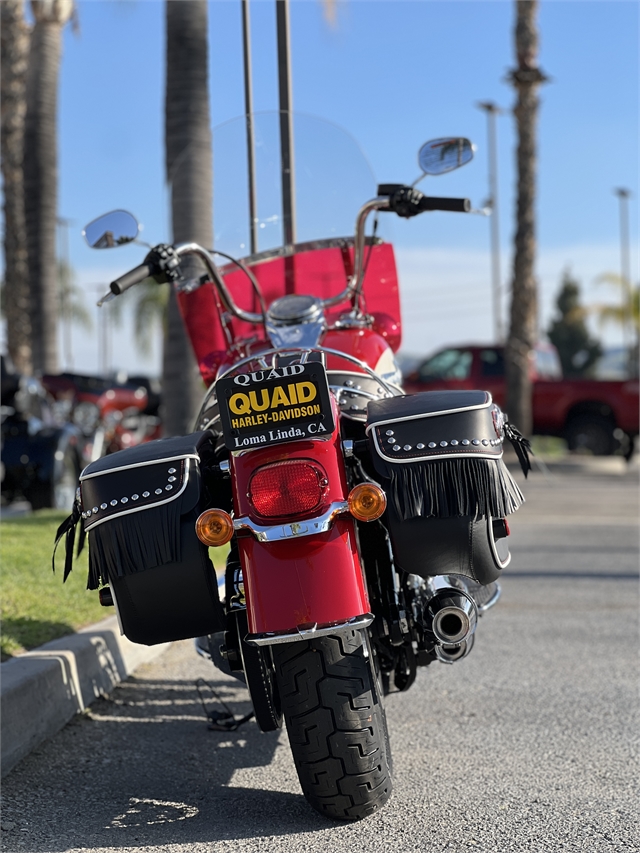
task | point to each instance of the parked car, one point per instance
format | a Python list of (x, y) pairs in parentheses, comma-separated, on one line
[(591, 415)]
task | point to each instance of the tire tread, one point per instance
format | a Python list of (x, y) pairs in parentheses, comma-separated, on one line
[(336, 724)]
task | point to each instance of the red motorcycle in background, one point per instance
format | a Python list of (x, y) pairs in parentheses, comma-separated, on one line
[(366, 528), (112, 414)]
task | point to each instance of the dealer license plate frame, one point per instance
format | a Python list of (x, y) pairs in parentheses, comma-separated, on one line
[(249, 428)]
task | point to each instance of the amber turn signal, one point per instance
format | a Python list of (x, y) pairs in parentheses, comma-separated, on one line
[(367, 502), (214, 527)]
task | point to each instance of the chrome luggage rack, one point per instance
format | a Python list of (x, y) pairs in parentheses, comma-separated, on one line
[(351, 397)]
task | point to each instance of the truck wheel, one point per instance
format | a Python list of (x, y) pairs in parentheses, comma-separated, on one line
[(337, 728), (630, 447), (592, 433)]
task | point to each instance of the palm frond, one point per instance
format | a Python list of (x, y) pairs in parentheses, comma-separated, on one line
[(628, 309)]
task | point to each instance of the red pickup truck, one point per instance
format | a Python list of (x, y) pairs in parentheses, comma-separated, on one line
[(592, 415)]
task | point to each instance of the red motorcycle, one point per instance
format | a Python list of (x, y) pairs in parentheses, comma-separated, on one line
[(112, 415), (366, 528)]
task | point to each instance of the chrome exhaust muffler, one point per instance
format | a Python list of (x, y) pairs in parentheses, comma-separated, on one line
[(451, 615), (451, 654)]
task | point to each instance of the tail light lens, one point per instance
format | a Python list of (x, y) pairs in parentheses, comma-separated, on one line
[(294, 487)]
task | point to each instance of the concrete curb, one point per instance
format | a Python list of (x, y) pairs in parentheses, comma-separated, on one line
[(41, 690)]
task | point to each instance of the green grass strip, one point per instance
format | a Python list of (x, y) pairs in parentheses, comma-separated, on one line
[(36, 606)]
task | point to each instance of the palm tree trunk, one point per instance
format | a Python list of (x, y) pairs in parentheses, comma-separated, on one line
[(189, 172), (41, 176), (523, 327), (14, 54)]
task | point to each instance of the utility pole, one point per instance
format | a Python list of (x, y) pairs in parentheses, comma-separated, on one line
[(625, 273), (286, 124), (248, 108), (496, 280)]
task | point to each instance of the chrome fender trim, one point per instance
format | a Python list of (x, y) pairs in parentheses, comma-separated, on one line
[(309, 633), (292, 529)]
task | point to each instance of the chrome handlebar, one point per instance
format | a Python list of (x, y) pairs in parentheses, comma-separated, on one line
[(216, 278)]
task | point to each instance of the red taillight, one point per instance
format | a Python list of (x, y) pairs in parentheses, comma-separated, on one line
[(294, 487)]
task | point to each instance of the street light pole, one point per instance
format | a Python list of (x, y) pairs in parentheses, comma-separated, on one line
[(492, 111), (625, 270)]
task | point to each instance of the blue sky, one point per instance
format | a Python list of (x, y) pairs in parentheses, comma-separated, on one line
[(393, 74)]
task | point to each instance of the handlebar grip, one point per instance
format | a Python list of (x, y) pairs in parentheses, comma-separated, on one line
[(455, 205), (134, 276)]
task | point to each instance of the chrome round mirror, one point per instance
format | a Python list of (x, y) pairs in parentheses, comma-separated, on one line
[(444, 155), (113, 229)]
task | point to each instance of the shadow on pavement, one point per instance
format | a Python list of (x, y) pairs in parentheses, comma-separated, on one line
[(142, 769)]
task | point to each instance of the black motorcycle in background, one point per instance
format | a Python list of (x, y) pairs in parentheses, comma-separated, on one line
[(42, 454)]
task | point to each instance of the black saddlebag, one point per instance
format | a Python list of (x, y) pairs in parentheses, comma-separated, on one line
[(439, 457), (138, 508)]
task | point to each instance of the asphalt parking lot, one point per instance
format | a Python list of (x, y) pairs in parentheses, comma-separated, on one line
[(527, 745)]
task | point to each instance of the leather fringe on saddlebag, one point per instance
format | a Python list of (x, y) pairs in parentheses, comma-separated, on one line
[(138, 508), (439, 455)]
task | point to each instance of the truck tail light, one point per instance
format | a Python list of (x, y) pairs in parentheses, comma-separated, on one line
[(294, 487)]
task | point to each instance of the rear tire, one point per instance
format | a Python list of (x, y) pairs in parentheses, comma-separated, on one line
[(337, 728)]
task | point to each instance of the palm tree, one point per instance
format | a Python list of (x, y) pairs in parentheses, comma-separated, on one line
[(41, 176), (189, 172), (14, 53), (522, 331)]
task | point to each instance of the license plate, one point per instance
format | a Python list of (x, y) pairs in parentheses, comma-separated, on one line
[(275, 405)]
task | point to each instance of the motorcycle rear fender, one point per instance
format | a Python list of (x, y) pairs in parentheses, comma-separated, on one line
[(314, 580)]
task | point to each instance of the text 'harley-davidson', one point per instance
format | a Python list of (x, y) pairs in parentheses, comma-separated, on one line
[(367, 529)]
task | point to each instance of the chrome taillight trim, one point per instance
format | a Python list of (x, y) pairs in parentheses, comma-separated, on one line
[(292, 529), (298, 634)]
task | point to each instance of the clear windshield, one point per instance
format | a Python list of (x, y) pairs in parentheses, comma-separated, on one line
[(331, 174)]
